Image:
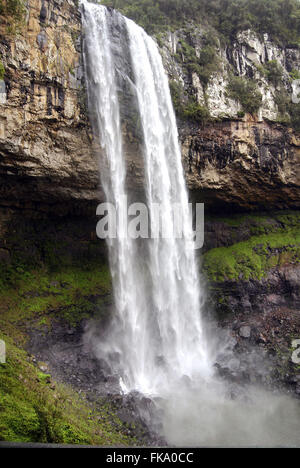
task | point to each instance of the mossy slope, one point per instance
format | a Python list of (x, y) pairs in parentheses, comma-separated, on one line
[(34, 410), (274, 241), (69, 293), (44, 281)]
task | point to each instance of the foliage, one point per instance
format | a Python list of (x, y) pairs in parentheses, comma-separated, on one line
[(289, 112), (295, 74), (279, 18), (196, 112), (294, 111), (187, 108), (204, 66), (282, 101), (274, 72), (13, 9), (176, 91), (245, 92)]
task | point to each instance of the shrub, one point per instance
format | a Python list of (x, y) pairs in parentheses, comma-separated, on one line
[(288, 111), (196, 112), (282, 101), (204, 66), (209, 64), (176, 91), (187, 107), (274, 72), (245, 92), (14, 13), (295, 74)]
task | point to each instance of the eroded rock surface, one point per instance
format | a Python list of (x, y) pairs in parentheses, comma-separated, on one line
[(243, 165), (46, 152), (45, 142)]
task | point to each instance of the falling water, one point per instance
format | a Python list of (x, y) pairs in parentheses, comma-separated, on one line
[(157, 335), (156, 342)]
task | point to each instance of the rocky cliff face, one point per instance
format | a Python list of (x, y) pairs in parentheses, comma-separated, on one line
[(45, 143), (248, 56), (240, 160), (46, 155), (243, 165)]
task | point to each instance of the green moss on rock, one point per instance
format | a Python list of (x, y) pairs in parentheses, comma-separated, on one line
[(70, 293), (31, 410), (254, 257), (262, 223), (2, 70)]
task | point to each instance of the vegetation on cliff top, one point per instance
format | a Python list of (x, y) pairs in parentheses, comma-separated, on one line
[(13, 11), (222, 20), (279, 18)]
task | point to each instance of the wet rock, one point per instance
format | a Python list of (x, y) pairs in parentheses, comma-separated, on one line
[(245, 332)]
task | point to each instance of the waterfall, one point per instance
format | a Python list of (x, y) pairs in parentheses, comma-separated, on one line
[(156, 343), (156, 337)]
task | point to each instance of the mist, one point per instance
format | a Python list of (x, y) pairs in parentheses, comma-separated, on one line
[(215, 415)]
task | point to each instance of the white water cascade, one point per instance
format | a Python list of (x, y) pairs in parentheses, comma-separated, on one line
[(157, 336)]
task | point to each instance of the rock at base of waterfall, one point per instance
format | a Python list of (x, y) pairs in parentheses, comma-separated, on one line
[(245, 332)]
